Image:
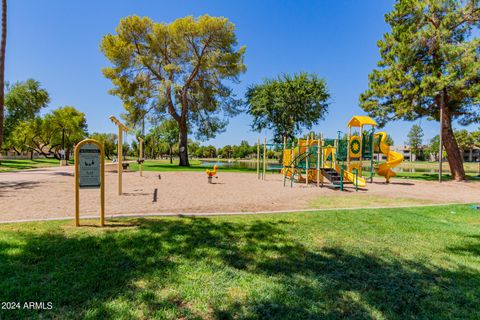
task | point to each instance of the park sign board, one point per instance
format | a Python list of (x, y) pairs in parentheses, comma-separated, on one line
[(89, 166), (89, 173)]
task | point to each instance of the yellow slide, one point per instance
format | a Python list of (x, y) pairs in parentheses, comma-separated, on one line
[(347, 175), (393, 158), (350, 176)]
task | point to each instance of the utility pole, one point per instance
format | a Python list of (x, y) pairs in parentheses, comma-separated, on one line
[(63, 140), (63, 155), (440, 147)]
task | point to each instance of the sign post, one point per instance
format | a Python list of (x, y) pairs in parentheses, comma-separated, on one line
[(89, 174)]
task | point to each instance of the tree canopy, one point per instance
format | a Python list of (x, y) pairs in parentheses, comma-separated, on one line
[(429, 61), (44, 134), (415, 138), (176, 69), (3, 45), (288, 104), (465, 139), (23, 102), (109, 141), (168, 133)]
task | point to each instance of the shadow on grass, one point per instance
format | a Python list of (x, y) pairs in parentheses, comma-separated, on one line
[(119, 273), (23, 164), (471, 248)]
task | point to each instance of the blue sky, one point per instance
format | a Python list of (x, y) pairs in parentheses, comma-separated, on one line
[(57, 43)]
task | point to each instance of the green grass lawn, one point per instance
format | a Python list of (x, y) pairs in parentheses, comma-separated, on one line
[(164, 165), (416, 263), (468, 166), (432, 176), (359, 200), (12, 165)]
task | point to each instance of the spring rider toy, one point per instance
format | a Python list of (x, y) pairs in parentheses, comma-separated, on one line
[(212, 173)]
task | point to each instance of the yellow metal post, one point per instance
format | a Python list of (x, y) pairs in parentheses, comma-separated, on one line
[(306, 160), (283, 150), (77, 189), (335, 145), (318, 162), (293, 162), (120, 160), (283, 157), (322, 159), (361, 151), (141, 156), (348, 146), (264, 157), (102, 186), (258, 159)]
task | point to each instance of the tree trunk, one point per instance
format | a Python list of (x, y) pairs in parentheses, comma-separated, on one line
[(31, 155), (171, 157), (454, 156), (2, 68), (183, 145)]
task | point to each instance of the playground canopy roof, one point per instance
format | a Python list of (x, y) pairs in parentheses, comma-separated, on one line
[(360, 121)]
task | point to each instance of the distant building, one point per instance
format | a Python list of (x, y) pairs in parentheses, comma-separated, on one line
[(471, 155), (406, 151)]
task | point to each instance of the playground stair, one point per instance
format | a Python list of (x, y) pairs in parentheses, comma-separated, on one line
[(332, 175)]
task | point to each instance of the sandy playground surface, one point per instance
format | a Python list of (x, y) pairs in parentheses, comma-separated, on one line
[(49, 193)]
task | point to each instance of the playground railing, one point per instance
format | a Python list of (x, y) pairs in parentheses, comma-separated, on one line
[(341, 178)]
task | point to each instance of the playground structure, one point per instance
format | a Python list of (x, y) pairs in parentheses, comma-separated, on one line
[(348, 159)]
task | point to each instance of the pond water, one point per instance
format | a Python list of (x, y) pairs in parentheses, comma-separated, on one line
[(275, 166), (237, 164)]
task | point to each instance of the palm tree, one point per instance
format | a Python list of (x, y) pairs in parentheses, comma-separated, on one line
[(3, 44)]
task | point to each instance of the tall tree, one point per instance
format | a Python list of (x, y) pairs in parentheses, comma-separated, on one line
[(67, 125), (389, 140), (168, 133), (179, 68), (44, 135), (3, 45), (109, 141), (434, 146), (288, 104), (23, 101), (429, 62), (415, 139), (465, 139), (476, 138)]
